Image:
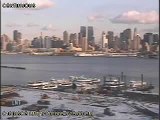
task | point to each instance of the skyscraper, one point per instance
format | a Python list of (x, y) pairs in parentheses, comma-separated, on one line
[(65, 37), (83, 38), (156, 38), (90, 35), (17, 36), (73, 38), (104, 40), (125, 38), (4, 41), (84, 44), (137, 42), (83, 31), (110, 39), (133, 41), (148, 37)]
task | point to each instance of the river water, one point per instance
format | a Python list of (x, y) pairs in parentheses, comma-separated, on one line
[(58, 67)]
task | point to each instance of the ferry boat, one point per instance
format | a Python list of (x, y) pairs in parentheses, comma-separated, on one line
[(37, 84), (89, 54), (49, 87), (113, 83), (82, 79), (121, 55), (42, 53)]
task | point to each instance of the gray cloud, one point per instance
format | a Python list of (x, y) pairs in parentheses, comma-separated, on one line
[(48, 28)]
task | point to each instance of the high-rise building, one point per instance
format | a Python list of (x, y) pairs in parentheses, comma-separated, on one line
[(116, 44), (137, 42), (17, 36), (83, 31), (79, 39), (125, 38), (65, 37), (73, 39), (84, 44), (104, 40), (83, 38), (47, 42), (110, 39), (4, 41), (133, 41), (36, 43), (156, 38), (90, 36), (148, 37)]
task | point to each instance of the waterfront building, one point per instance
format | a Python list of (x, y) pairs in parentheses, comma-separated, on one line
[(83, 31), (4, 41), (156, 38), (47, 42), (73, 39), (137, 40), (17, 36), (104, 40), (110, 37), (90, 35), (125, 38), (116, 43), (84, 44), (148, 37), (57, 43), (66, 37), (147, 46), (79, 40), (36, 43), (83, 38)]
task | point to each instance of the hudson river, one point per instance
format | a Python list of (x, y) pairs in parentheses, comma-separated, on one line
[(58, 67)]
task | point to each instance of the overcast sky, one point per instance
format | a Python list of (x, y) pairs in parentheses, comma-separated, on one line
[(52, 17)]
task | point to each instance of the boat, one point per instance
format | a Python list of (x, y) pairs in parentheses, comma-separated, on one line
[(49, 87), (88, 54), (37, 84), (42, 53), (113, 83), (140, 86), (82, 79), (121, 55)]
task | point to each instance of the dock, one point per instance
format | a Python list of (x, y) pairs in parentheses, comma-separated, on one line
[(12, 67)]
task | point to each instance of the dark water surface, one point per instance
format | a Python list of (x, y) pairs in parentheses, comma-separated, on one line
[(45, 67)]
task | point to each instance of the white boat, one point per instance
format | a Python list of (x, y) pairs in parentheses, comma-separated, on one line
[(82, 79), (121, 55), (113, 83), (89, 54), (49, 87), (37, 84), (42, 53), (140, 86), (135, 84)]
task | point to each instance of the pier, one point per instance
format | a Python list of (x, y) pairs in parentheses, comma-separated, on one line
[(12, 67)]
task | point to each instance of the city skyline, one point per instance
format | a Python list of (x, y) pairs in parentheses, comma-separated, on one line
[(53, 17)]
